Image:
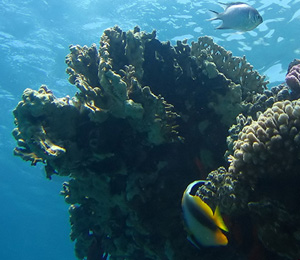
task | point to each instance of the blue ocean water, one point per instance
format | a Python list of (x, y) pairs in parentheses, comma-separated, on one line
[(34, 40)]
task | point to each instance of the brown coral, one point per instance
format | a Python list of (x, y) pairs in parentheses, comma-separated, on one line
[(241, 80), (215, 60), (144, 110), (263, 178), (263, 142)]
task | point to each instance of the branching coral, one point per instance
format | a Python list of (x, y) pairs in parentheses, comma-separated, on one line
[(242, 82), (215, 61)]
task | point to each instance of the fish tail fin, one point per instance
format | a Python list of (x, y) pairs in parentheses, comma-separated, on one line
[(219, 220)]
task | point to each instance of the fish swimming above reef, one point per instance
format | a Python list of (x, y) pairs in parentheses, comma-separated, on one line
[(238, 16), (203, 227)]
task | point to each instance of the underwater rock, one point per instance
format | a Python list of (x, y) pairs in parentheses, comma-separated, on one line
[(147, 119)]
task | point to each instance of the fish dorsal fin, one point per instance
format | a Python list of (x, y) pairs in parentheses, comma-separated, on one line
[(219, 220), (232, 3)]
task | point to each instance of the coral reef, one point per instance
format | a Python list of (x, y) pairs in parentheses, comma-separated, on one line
[(242, 82), (276, 129), (267, 154), (41, 133), (260, 103), (105, 93), (216, 61), (263, 177), (293, 77), (144, 113)]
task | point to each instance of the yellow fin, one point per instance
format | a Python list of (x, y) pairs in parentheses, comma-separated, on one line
[(219, 220), (202, 206)]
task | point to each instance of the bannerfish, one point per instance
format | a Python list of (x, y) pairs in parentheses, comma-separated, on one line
[(238, 16), (203, 227)]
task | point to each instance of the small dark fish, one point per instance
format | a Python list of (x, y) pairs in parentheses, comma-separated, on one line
[(238, 16)]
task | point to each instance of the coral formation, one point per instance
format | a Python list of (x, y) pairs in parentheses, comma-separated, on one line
[(41, 133), (105, 93), (293, 77), (216, 61), (242, 82), (261, 101), (263, 177), (276, 129), (144, 113), (219, 190)]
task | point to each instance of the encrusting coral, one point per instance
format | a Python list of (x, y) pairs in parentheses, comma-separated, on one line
[(144, 113)]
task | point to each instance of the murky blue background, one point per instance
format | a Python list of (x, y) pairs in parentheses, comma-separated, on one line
[(34, 40)]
